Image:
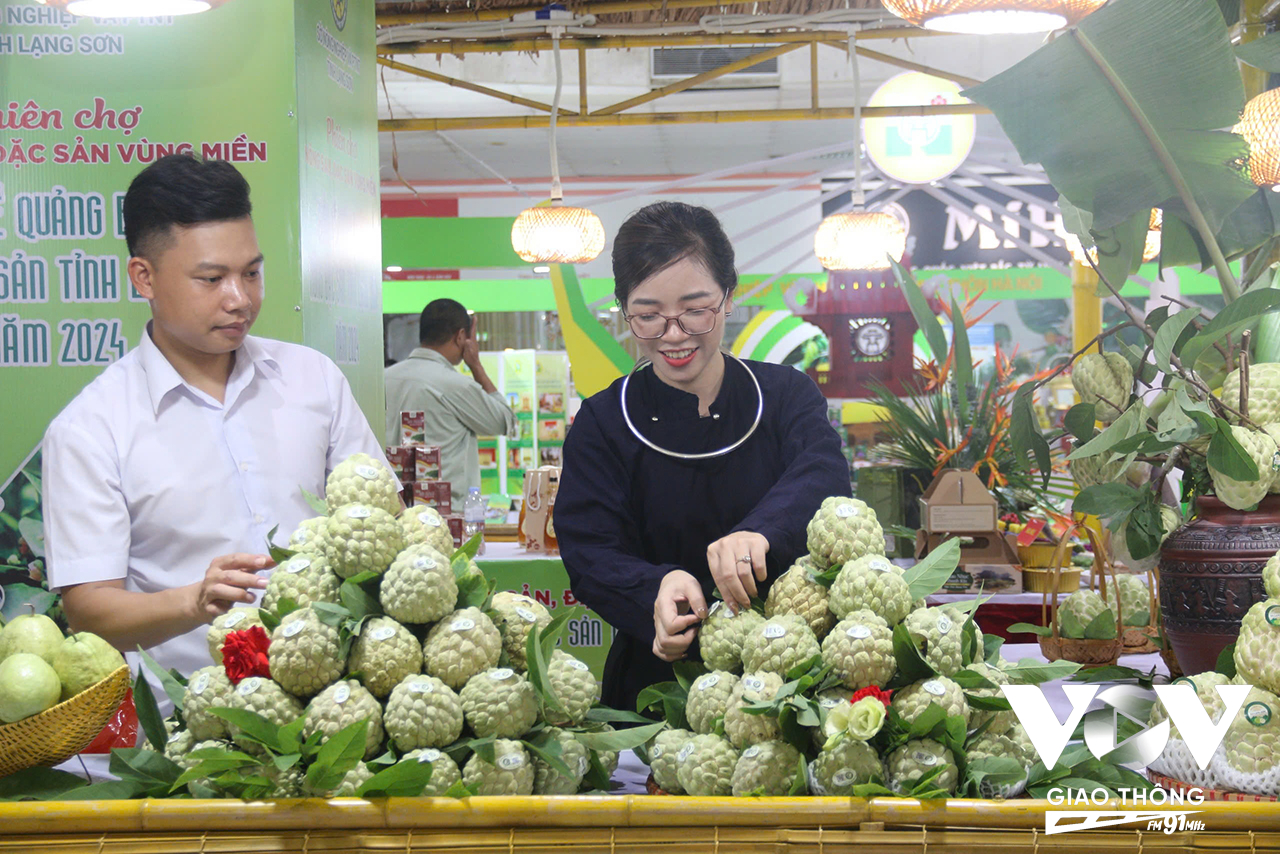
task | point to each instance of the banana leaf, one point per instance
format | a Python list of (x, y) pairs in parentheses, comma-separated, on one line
[(1070, 107)]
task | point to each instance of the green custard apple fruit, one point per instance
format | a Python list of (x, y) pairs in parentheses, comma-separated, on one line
[(1134, 602), (1170, 519), (307, 537), (304, 579), (1264, 392), (1271, 576), (1085, 606), (573, 685), (208, 688), (722, 634), (519, 614), (992, 746), (266, 698), (419, 586), (235, 620), (1091, 471), (768, 768), (708, 699), (705, 766), (499, 702), (842, 530), (341, 705), (361, 538), (1176, 760), (1105, 380), (383, 654), (461, 645), (796, 592), (548, 780), (1249, 760), (28, 686), (1257, 654), (779, 644), (743, 729), (83, 660), (444, 771), (938, 633), (1244, 494), (511, 772), (838, 769), (422, 712), (859, 650), (905, 766), (911, 702), (1001, 722), (305, 654), (871, 583), (34, 634), (361, 479), (423, 524), (663, 750)]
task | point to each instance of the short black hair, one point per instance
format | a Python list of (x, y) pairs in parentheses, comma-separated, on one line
[(441, 320), (181, 189), (663, 233)]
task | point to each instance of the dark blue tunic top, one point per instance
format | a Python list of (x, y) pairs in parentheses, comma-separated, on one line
[(626, 515)]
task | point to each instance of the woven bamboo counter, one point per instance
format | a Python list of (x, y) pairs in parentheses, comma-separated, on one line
[(635, 824)]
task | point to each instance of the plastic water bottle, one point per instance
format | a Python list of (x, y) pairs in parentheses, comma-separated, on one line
[(473, 517)]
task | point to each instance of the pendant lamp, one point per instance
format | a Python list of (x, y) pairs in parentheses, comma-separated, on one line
[(992, 17), (1260, 126), (1150, 247), (861, 239), (557, 234), (132, 8)]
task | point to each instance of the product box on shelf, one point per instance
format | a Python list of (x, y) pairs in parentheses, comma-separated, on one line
[(434, 493), (401, 459), (456, 524), (412, 423), (426, 462)]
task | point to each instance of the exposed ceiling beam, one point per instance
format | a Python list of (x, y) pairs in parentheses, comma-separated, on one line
[(470, 87), (503, 13), (899, 62), (675, 118)]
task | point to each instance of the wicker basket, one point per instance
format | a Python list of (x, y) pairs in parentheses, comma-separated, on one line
[(1086, 651), (1138, 640), (62, 731)]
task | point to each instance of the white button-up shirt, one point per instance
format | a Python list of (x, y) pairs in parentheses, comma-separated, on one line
[(148, 479)]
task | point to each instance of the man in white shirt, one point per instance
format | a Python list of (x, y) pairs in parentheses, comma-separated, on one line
[(456, 408), (164, 475)]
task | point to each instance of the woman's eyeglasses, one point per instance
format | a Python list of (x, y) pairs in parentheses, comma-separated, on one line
[(695, 321)]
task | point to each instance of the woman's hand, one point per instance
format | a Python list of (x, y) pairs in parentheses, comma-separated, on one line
[(737, 563), (673, 630)]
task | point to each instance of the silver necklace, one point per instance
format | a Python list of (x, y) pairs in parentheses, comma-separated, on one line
[(709, 454)]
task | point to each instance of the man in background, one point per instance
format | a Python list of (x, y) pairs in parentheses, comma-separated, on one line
[(456, 408)]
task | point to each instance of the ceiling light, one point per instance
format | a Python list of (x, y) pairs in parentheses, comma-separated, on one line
[(394, 269), (557, 234), (1260, 126), (542, 269), (132, 8), (862, 240), (613, 308), (991, 17)]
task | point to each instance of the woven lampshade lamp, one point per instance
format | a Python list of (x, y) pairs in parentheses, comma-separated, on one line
[(862, 240), (1150, 247), (1260, 126), (557, 235), (989, 17), (132, 8)]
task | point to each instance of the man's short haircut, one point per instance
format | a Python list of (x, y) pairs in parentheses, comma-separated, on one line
[(182, 190), (441, 320)]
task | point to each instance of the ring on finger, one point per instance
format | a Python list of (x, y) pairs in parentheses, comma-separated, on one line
[(745, 559)]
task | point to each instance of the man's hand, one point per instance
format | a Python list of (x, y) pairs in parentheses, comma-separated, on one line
[(673, 630), (471, 348), (228, 580), (737, 563)]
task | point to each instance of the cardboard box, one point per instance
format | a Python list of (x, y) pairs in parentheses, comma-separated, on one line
[(401, 459), (426, 462), (434, 493), (412, 424), (957, 502), (456, 524)]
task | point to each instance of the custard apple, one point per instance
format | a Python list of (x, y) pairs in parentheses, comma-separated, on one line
[(722, 635), (1249, 759), (910, 702), (308, 537), (860, 651), (444, 771), (847, 764), (235, 620), (1084, 606), (499, 702), (1273, 430), (842, 530), (519, 615), (1170, 519), (779, 644), (663, 751), (341, 705), (289, 783), (305, 653), (743, 729), (265, 698), (708, 699), (360, 538), (361, 479), (208, 688), (1026, 750), (1135, 599), (423, 524), (178, 744), (1271, 576), (704, 766), (1176, 760), (303, 578), (347, 786), (383, 655), (871, 583), (1244, 494), (1257, 653), (181, 755), (938, 634), (1091, 471), (419, 586), (1105, 380), (767, 769), (795, 592), (992, 746), (1264, 393), (549, 781), (1001, 722), (608, 758), (461, 645), (573, 685), (905, 766), (511, 772), (422, 712), (828, 700)]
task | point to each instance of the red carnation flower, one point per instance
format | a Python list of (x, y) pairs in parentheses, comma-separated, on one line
[(244, 653), (871, 691)]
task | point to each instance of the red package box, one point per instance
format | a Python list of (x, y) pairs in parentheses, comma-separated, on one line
[(411, 426), (426, 462), (402, 463), (455, 527), (434, 493)]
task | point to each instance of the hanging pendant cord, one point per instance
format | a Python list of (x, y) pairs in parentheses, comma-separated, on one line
[(556, 192), (859, 199)]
